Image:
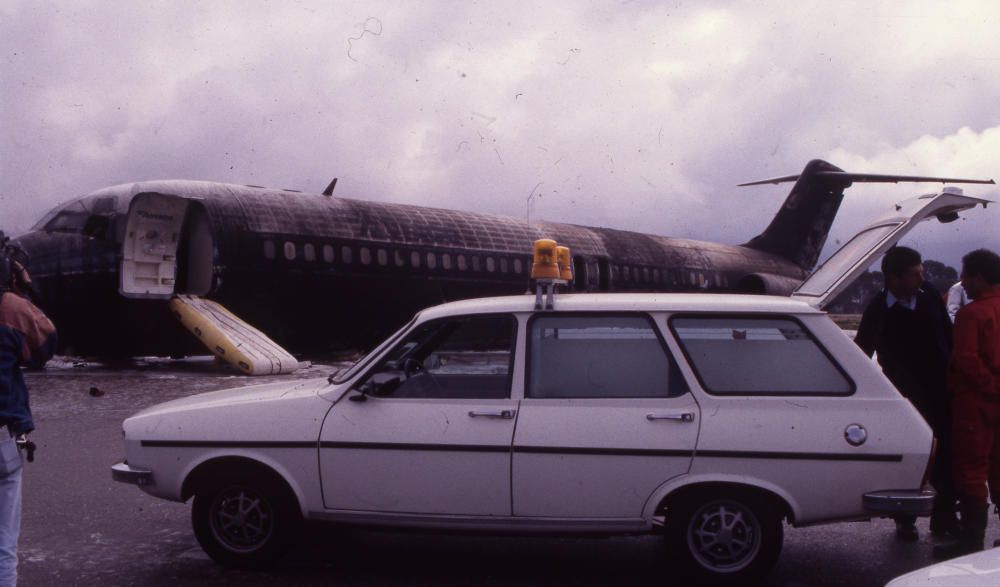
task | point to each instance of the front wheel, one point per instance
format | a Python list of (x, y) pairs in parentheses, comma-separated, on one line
[(246, 521), (726, 538)]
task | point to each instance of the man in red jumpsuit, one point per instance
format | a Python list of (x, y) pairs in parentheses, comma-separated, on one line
[(974, 382)]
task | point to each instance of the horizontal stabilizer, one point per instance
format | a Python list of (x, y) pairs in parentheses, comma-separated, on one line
[(230, 338), (847, 179)]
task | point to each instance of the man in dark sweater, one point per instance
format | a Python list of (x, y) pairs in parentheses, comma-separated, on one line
[(907, 324)]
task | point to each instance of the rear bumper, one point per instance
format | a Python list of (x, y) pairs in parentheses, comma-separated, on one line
[(889, 502), (123, 473)]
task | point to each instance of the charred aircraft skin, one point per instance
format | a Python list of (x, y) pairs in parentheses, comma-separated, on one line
[(320, 273)]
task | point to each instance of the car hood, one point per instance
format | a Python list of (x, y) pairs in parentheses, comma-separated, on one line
[(281, 411), (267, 392)]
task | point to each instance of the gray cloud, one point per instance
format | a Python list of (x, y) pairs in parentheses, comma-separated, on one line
[(638, 115)]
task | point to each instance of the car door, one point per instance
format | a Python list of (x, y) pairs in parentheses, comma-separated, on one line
[(606, 417), (428, 430), (844, 266)]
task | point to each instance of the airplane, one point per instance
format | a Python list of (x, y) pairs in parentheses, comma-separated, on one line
[(321, 273)]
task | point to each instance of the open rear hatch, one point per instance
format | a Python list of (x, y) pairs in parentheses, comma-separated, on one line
[(844, 266)]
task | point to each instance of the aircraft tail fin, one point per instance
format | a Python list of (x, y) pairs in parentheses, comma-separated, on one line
[(799, 230)]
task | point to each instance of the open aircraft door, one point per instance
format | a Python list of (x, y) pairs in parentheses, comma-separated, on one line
[(149, 251), (844, 266)]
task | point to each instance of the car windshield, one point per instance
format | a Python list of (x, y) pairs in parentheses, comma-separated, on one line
[(345, 374)]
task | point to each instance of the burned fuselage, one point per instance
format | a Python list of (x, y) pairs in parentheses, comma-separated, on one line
[(318, 272)]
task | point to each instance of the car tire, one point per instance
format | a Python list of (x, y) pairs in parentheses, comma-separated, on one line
[(724, 537), (246, 521)]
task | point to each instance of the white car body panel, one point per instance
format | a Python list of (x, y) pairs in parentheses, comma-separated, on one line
[(607, 446), (980, 569), (397, 454), (282, 419)]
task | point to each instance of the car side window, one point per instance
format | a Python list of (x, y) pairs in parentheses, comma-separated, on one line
[(466, 357), (599, 356), (748, 355)]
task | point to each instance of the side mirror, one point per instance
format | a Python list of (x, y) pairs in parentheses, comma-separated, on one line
[(361, 392)]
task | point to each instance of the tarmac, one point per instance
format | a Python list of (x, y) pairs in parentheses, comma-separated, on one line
[(81, 528)]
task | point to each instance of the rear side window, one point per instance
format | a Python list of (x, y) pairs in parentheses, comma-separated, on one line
[(599, 356), (742, 355)]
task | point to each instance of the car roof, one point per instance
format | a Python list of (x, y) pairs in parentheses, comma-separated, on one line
[(646, 302)]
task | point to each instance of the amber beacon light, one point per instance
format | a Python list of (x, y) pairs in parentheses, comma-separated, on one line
[(545, 264), (550, 266), (565, 263)]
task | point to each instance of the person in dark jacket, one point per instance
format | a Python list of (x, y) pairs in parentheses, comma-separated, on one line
[(27, 338), (907, 325)]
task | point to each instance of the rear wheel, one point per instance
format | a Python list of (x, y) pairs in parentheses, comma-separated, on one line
[(726, 538), (246, 521)]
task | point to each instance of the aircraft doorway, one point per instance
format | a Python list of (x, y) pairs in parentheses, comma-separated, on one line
[(153, 240), (195, 254)]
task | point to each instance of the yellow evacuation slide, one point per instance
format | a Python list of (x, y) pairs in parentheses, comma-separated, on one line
[(230, 338)]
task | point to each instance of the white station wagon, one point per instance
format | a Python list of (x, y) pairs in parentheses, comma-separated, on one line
[(709, 418)]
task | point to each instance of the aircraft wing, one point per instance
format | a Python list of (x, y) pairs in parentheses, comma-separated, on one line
[(851, 260)]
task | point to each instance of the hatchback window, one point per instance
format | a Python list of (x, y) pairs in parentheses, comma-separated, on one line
[(742, 355), (601, 356), (462, 357)]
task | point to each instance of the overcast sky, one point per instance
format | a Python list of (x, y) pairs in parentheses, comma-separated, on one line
[(634, 115)]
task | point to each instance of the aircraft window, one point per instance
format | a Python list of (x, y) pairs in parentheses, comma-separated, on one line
[(383, 257), (269, 250), (415, 259), (366, 256), (346, 254), (461, 263), (491, 264), (431, 261), (290, 250), (68, 221), (399, 258), (518, 266), (476, 263), (104, 205), (328, 253), (446, 260), (309, 252), (504, 267)]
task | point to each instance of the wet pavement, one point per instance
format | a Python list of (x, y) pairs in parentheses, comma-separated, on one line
[(81, 528)]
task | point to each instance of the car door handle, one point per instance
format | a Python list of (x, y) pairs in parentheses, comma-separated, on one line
[(681, 417), (505, 414)]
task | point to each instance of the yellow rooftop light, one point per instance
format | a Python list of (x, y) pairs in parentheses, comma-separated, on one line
[(545, 264), (565, 263)]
